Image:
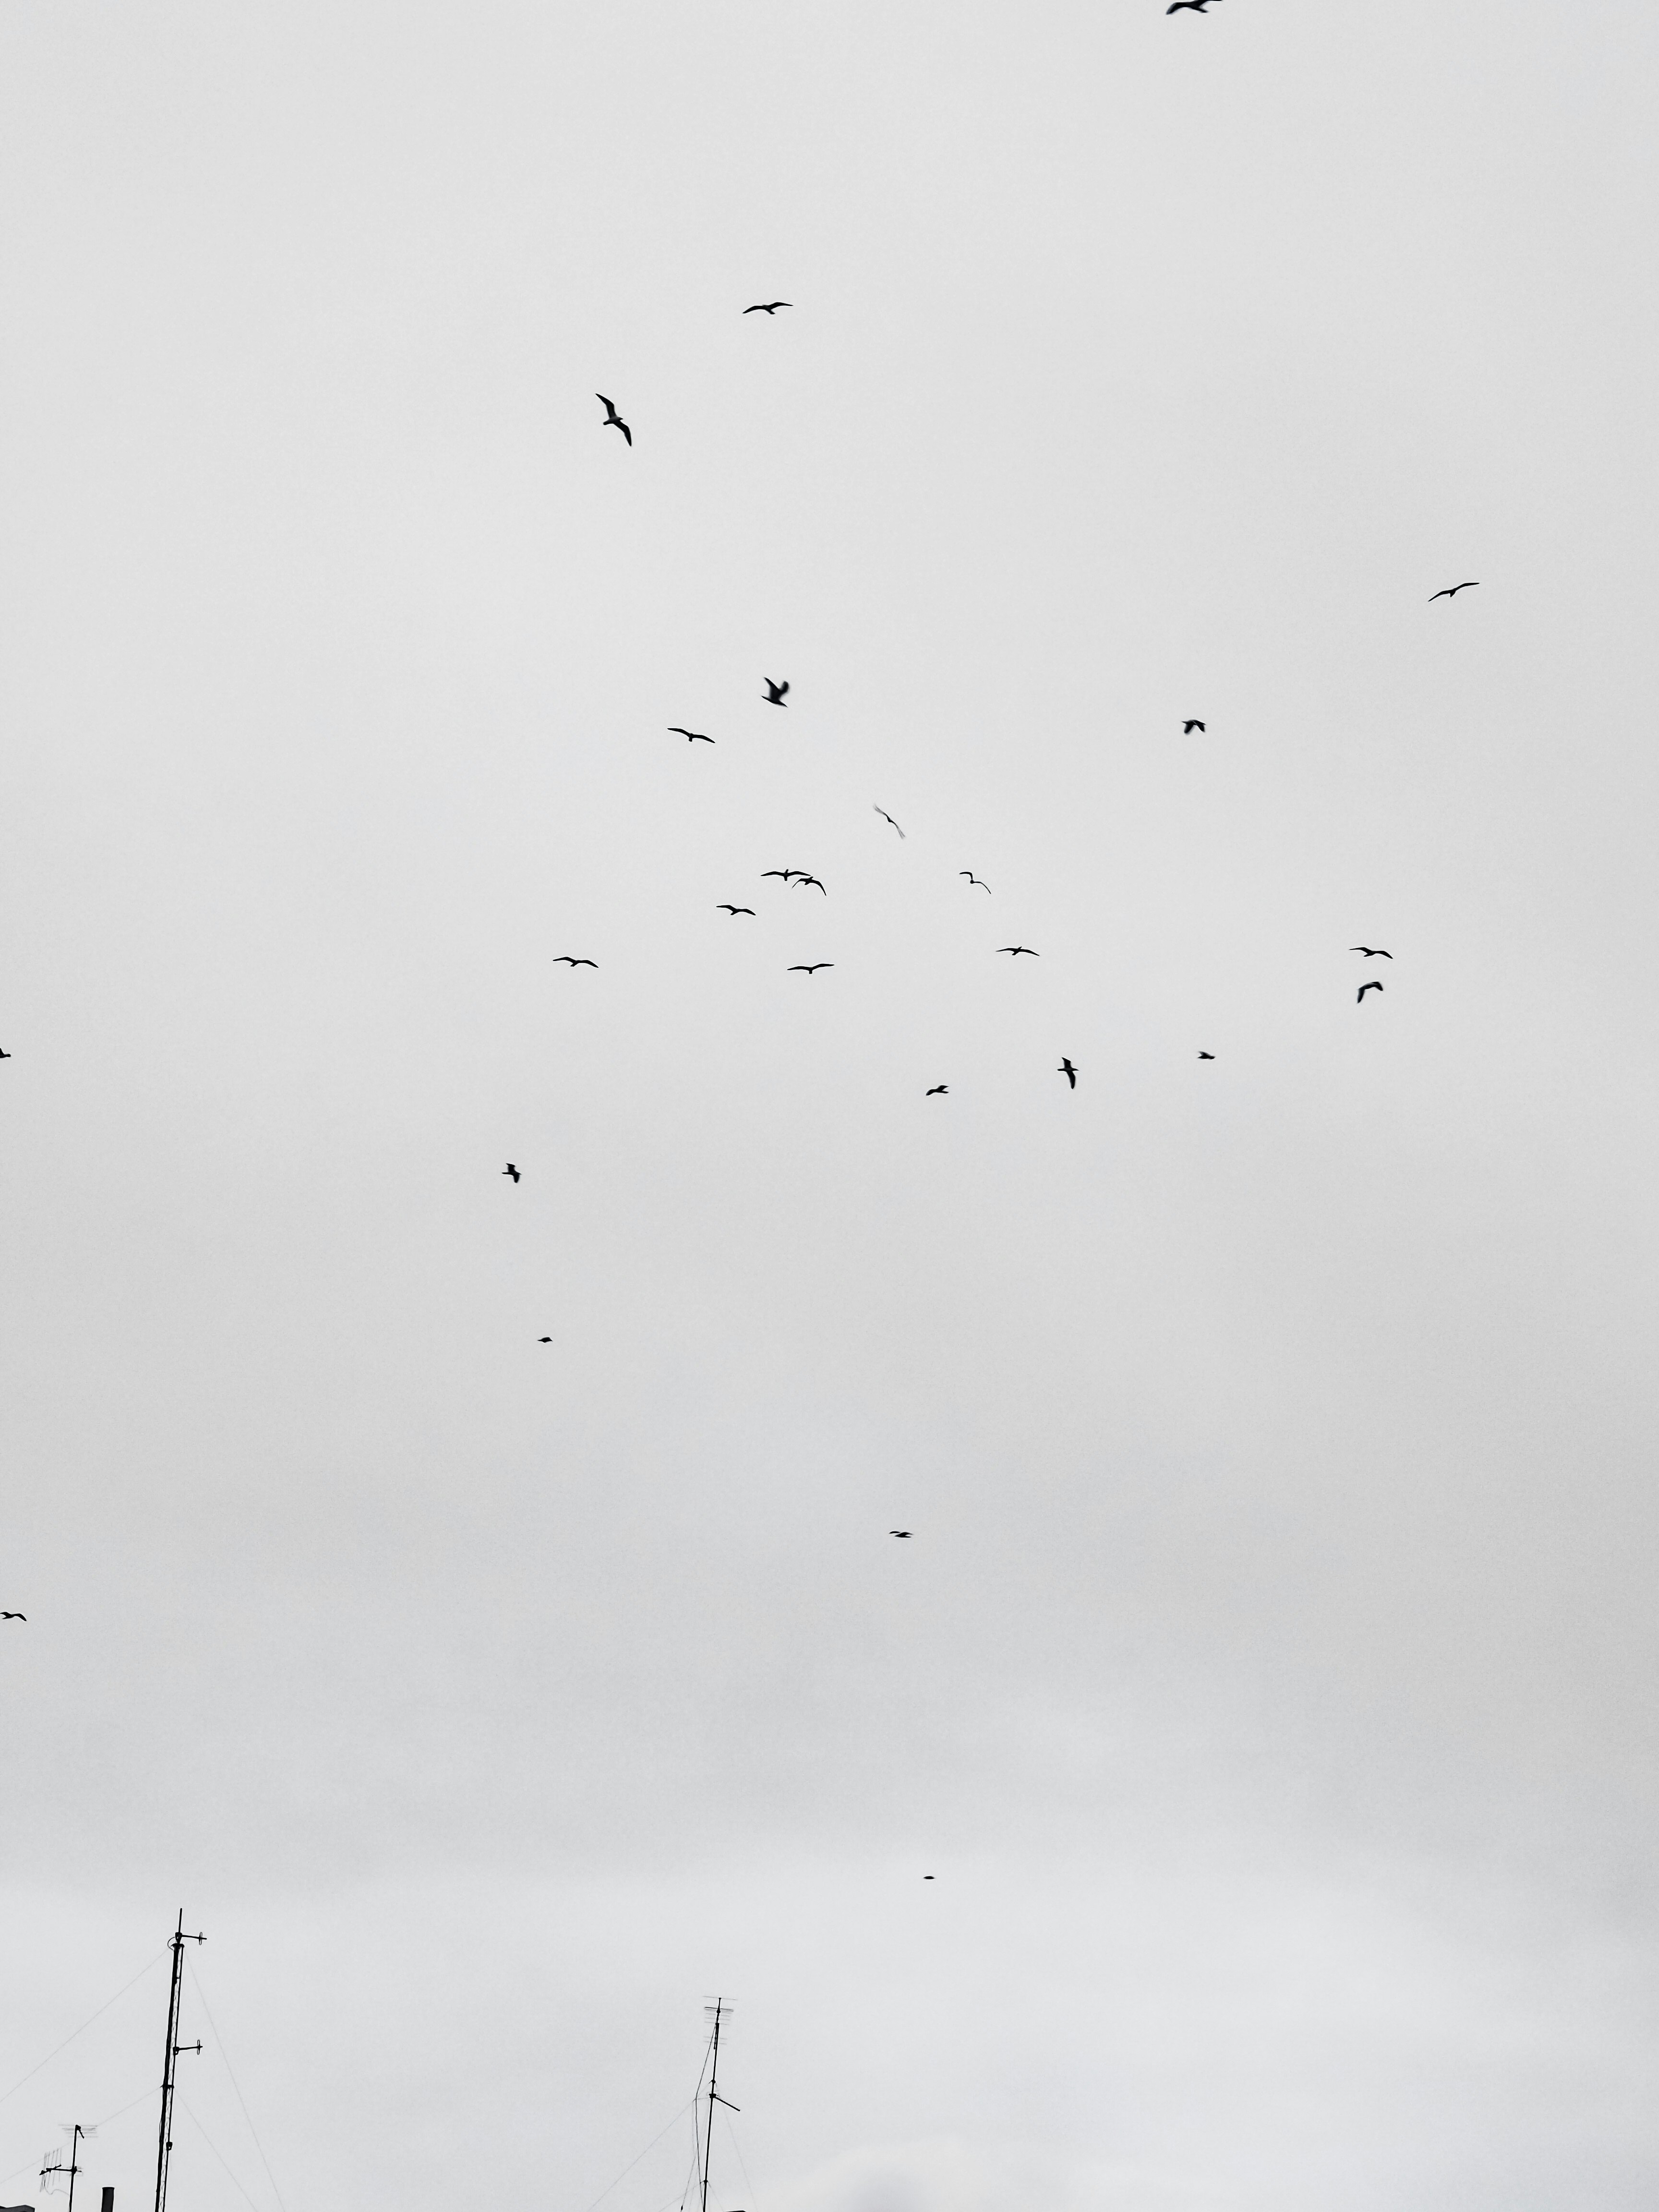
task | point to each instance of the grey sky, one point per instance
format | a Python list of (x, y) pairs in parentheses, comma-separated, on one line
[(1268, 1683)]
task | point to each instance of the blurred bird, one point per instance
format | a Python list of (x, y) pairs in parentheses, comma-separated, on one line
[(1364, 987), (886, 816), (5, 1055), (1066, 1069), (571, 961), (544, 1339), (902, 1534), (15, 1616), (767, 306), (725, 908), (1017, 949), (810, 967), (973, 878), (509, 1170), (692, 737), (1452, 590), (612, 420), (1206, 1055), (774, 691), (1197, 7), (939, 1091), (1187, 728), (1371, 951)]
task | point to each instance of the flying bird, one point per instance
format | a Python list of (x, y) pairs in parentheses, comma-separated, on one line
[(1066, 1069), (5, 1055), (1371, 951), (1017, 949), (571, 961), (509, 1170), (544, 1339), (1364, 987), (13, 1616), (973, 878), (902, 1534), (886, 816), (612, 420), (939, 1091), (1206, 1055), (1187, 728), (1197, 7), (774, 691), (1452, 590), (787, 874), (810, 967), (767, 306), (692, 737), (927, 1877), (802, 879), (725, 908)]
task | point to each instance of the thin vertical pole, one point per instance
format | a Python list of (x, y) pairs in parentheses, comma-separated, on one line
[(708, 2138), (176, 1943), (74, 2153)]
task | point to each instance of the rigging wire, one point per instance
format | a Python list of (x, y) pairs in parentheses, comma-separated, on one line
[(212, 2147), (86, 2024), (218, 2037), (649, 2147), (749, 2185)]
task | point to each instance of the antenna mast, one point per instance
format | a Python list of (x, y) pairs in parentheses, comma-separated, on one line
[(73, 2168), (176, 1943), (718, 2008)]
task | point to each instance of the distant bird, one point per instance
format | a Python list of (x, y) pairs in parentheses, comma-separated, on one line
[(802, 879), (1017, 949), (902, 1534), (1206, 1055), (692, 737), (1066, 1069), (788, 874), (1364, 987), (509, 1170), (939, 1091), (767, 306), (1187, 728), (1452, 590), (886, 816), (725, 908), (1197, 7), (5, 1055), (810, 967), (1371, 951), (612, 420), (544, 1339), (774, 691), (927, 1877), (13, 1616), (973, 878), (572, 960)]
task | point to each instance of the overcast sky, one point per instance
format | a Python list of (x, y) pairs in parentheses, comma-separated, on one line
[(1268, 1682)]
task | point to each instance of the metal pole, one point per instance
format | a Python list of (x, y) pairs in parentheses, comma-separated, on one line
[(176, 1943), (708, 2139), (74, 2168)]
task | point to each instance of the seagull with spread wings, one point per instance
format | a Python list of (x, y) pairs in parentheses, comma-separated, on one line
[(612, 420), (973, 878), (810, 967), (1359, 996), (774, 691), (1017, 949), (767, 306), (571, 960), (1452, 590), (691, 736), (886, 816), (725, 908)]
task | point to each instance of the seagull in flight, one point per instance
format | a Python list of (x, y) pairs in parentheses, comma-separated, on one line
[(1197, 7), (802, 879), (1206, 1055), (1371, 951), (787, 874), (810, 967), (509, 1170), (973, 878), (725, 908), (767, 306), (774, 691), (1187, 728), (544, 1339), (1452, 590), (612, 420), (691, 736), (13, 1616), (902, 1534), (939, 1091), (1017, 949), (571, 960), (1360, 994), (1066, 1069), (5, 1055), (886, 816)]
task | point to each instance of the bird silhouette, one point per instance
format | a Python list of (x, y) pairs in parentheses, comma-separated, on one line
[(774, 691), (939, 1091), (927, 1877), (1452, 590), (1017, 949), (1364, 987), (1187, 728), (787, 874), (1197, 7), (767, 306), (13, 1616), (902, 1534), (692, 737), (802, 879), (544, 1339), (571, 960), (1206, 1055), (810, 967), (725, 908), (509, 1170), (1066, 1069), (1371, 951), (973, 878), (5, 1055), (612, 420), (886, 816)]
